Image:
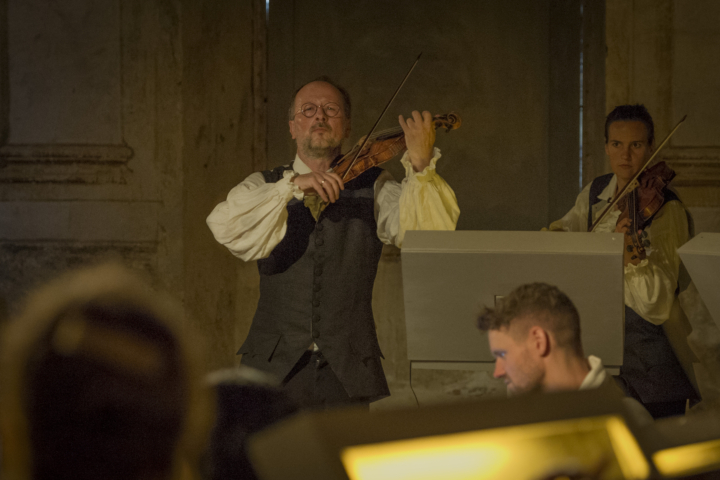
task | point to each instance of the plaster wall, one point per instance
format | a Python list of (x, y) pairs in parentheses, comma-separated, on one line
[(487, 61), (217, 122)]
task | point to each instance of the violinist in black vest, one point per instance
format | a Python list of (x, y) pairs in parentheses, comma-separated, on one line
[(318, 254), (651, 372)]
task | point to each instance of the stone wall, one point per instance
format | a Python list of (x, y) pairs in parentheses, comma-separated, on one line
[(123, 124), (218, 131), (86, 166), (664, 54)]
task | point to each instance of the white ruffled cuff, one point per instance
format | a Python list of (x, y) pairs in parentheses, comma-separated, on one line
[(285, 184), (632, 270), (428, 172)]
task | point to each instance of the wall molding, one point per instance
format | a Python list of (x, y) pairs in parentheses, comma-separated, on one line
[(47, 163), (695, 167), (90, 164)]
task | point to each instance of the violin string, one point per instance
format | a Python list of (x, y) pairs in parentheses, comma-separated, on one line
[(386, 133)]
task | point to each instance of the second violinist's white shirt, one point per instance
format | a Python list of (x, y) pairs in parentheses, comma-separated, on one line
[(253, 219), (650, 285)]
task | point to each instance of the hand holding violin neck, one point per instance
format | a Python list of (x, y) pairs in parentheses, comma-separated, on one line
[(419, 137), (383, 146)]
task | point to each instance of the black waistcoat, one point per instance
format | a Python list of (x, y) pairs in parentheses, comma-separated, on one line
[(650, 367), (316, 286)]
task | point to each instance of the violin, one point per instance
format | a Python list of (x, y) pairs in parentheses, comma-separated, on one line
[(377, 148), (380, 148), (640, 205)]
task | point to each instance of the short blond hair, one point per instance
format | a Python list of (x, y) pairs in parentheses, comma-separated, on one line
[(536, 304)]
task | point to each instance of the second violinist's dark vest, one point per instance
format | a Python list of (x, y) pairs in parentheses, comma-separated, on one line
[(316, 286), (650, 371)]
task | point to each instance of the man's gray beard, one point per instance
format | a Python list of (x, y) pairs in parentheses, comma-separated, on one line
[(330, 149)]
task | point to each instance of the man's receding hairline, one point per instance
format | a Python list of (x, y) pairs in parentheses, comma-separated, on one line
[(320, 81)]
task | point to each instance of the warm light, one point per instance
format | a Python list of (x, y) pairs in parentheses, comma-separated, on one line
[(688, 459), (427, 459), (629, 455), (527, 451)]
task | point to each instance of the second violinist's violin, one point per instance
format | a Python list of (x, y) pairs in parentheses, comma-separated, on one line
[(640, 205)]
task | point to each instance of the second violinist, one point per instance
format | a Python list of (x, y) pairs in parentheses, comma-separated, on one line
[(313, 328), (651, 372)]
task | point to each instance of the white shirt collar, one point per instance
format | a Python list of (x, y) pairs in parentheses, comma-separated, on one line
[(596, 376), (609, 191), (299, 166)]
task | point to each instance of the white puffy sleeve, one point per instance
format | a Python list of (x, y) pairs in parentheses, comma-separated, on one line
[(422, 201), (576, 219), (253, 219)]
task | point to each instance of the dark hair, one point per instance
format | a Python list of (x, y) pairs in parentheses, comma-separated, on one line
[(105, 386), (549, 308), (636, 113), (347, 106), (242, 410)]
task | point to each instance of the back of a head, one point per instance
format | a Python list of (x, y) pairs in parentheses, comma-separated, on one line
[(97, 383), (537, 304), (248, 402)]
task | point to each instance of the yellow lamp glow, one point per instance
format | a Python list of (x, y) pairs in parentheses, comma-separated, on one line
[(526, 451), (688, 459)]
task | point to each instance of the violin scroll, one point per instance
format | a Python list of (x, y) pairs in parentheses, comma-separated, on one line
[(448, 121)]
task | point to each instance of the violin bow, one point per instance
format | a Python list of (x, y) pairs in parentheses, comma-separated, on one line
[(367, 137), (633, 181)]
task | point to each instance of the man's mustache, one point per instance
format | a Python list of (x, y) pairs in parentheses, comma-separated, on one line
[(321, 125)]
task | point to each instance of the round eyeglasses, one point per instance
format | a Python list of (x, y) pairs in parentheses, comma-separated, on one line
[(309, 109)]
